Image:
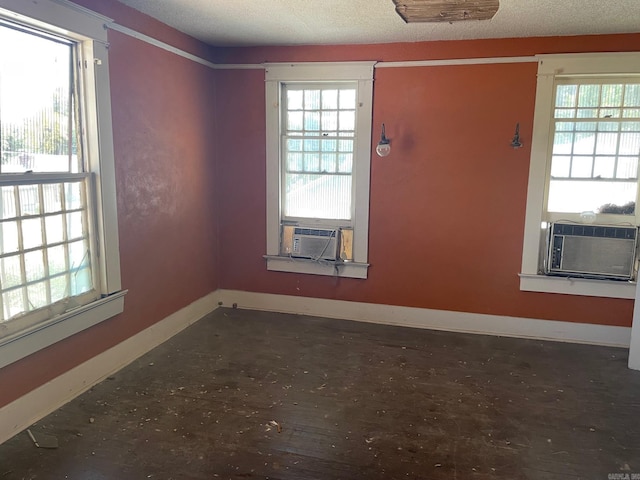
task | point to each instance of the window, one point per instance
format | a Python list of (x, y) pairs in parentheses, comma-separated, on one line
[(318, 134), (318, 163), (584, 159), (59, 265), (596, 140)]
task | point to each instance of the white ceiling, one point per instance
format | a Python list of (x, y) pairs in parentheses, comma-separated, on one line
[(327, 22)]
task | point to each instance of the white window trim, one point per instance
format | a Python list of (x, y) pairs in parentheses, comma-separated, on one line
[(88, 28), (275, 74), (550, 67)]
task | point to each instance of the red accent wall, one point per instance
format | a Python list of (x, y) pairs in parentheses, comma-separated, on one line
[(163, 124), (447, 206)]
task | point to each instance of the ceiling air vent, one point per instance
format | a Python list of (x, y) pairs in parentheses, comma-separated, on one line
[(446, 10)]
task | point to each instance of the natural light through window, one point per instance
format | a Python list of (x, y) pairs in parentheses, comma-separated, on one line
[(596, 143), (318, 145), (44, 230)]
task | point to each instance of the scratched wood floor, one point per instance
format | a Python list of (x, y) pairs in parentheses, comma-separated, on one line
[(260, 395)]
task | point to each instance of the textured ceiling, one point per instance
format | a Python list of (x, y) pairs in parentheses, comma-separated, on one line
[(326, 22)]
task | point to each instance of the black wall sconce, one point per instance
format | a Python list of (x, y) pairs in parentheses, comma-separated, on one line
[(516, 142), (383, 148)]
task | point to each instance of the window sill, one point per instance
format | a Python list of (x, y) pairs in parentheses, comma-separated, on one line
[(302, 265), (577, 286), (30, 340)]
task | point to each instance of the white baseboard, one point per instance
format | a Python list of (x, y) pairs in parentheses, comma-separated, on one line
[(45, 399), (432, 319)]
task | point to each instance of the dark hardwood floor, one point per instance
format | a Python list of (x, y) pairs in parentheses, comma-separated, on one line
[(246, 394)]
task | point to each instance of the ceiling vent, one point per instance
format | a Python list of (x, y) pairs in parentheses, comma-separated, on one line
[(446, 10)]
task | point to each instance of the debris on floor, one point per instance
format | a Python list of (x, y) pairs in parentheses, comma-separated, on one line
[(43, 440)]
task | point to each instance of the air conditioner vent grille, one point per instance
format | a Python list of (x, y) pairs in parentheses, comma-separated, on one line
[(314, 232), (600, 231), (592, 251)]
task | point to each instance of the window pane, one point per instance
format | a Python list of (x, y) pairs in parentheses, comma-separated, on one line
[(294, 145), (629, 144), (294, 121), (312, 145), (78, 254), (311, 162), (347, 120), (589, 195), (587, 113), (8, 199), (80, 281), (581, 167), (562, 143), (604, 167), (330, 99), (57, 260), (328, 163), (294, 99), (54, 226), (10, 242), (586, 126), (73, 195), (345, 162), (318, 196), (330, 121), (329, 145), (348, 99), (632, 96), (52, 198), (627, 167), (611, 95), (566, 95), (34, 265), (560, 166), (11, 274), (565, 126), (29, 199), (589, 96), (294, 162), (13, 303), (31, 233), (59, 288), (74, 225), (312, 99), (37, 295), (345, 146), (584, 144), (607, 143), (565, 113), (312, 121)]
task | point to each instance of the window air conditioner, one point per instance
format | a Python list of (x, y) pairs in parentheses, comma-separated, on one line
[(591, 251), (315, 243)]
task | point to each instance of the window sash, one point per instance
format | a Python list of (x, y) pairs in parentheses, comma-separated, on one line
[(63, 253)]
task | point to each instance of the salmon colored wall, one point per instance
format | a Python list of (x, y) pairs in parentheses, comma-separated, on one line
[(163, 119), (447, 206)]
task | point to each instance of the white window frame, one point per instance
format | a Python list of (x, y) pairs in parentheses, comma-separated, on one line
[(551, 67), (275, 75), (88, 29)]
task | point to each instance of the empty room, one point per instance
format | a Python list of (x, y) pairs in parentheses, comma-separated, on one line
[(357, 239)]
